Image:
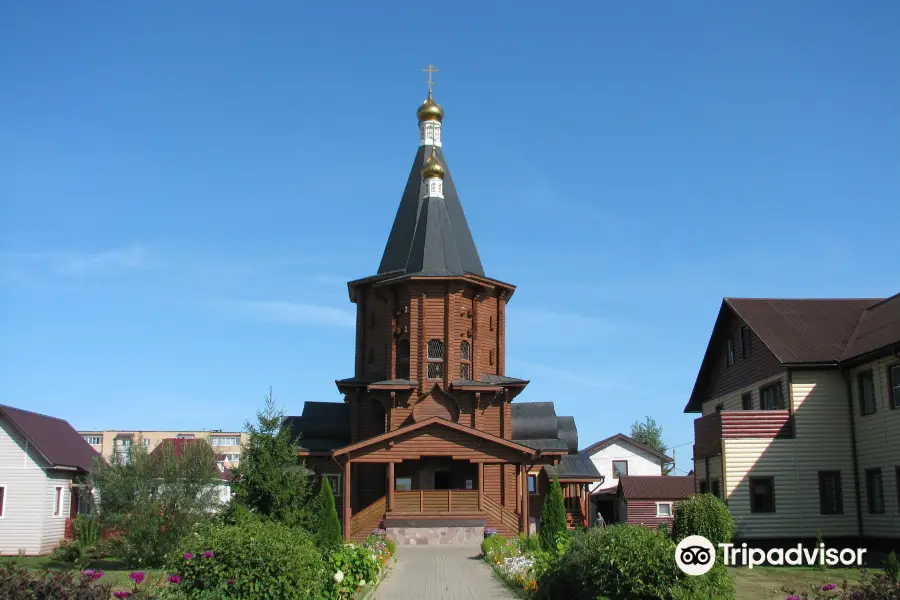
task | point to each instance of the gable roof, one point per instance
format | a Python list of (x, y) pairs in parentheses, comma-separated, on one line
[(322, 426), (574, 466), (431, 236), (621, 437), (54, 439), (656, 487), (435, 421), (807, 331), (536, 424)]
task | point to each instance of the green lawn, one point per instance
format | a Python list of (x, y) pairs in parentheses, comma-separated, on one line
[(765, 583), (114, 570)]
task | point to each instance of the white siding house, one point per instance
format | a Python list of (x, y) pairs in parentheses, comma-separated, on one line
[(36, 481)]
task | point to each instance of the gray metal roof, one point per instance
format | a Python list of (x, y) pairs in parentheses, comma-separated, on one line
[(500, 379), (322, 426), (573, 466), (534, 421), (567, 432), (431, 236), (548, 444)]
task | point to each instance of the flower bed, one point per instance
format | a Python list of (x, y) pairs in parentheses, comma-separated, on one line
[(516, 561), (356, 566)]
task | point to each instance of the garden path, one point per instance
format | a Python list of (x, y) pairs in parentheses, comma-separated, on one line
[(441, 573)]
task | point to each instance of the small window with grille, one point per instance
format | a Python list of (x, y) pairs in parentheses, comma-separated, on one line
[(465, 360), (435, 359)]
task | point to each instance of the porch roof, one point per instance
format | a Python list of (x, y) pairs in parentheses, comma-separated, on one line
[(443, 423), (577, 467)]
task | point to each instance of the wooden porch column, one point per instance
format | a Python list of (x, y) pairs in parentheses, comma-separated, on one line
[(347, 500), (524, 499), (519, 489), (390, 494), (480, 486)]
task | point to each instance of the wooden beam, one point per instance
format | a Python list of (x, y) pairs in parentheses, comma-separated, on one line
[(519, 489), (347, 513), (525, 499), (390, 498), (480, 486)]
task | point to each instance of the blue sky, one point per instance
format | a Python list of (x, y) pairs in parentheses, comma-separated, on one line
[(185, 188)]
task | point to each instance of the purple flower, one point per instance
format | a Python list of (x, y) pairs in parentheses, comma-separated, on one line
[(98, 575), (175, 578), (88, 574), (121, 594), (188, 556), (208, 554), (231, 582), (793, 597), (828, 587), (137, 577)]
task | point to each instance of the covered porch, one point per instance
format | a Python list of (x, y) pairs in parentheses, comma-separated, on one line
[(437, 473), (576, 474)]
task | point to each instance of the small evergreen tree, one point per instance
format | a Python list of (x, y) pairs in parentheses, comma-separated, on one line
[(270, 481), (553, 517), (328, 530)]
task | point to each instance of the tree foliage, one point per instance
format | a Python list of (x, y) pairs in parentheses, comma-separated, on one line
[(151, 500), (650, 434), (553, 517), (270, 481), (328, 527), (705, 515)]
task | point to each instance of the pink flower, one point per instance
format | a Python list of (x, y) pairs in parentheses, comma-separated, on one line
[(137, 577), (208, 554), (828, 587), (98, 575), (121, 594), (231, 582), (188, 556), (793, 597), (176, 578)]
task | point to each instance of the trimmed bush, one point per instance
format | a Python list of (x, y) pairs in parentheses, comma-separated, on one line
[(553, 517), (892, 568), (328, 527), (252, 561), (705, 515), (627, 562), (21, 583)]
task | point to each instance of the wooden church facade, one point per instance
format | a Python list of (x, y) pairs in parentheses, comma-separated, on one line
[(427, 433)]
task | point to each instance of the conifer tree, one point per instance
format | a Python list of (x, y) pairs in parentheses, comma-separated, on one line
[(328, 530), (553, 517)]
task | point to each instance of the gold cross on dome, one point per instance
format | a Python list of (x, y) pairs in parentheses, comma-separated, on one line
[(430, 70)]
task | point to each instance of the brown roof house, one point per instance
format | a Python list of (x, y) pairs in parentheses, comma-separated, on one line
[(41, 458), (651, 499), (800, 425), (428, 442)]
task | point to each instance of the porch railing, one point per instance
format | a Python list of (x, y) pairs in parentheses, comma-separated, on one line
[(503, 518), (363, 522), (436, 501)]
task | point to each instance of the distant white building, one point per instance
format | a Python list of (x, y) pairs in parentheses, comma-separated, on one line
[(40, 456), (620, 456)]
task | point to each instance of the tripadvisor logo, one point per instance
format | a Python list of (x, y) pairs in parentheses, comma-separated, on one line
[(696, 555)]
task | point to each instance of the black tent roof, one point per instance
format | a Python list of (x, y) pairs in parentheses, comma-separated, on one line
[(322, 426), (430, 236)]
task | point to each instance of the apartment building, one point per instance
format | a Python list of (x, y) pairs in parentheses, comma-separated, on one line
[(800, 430), (227, 444)]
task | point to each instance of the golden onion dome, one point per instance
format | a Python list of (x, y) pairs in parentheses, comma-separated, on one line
[(430, 110), (432, 168)]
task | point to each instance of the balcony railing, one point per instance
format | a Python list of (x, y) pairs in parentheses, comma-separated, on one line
[(436, 501), (710, 430)]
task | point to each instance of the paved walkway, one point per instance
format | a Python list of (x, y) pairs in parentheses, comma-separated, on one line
[(441, 573)]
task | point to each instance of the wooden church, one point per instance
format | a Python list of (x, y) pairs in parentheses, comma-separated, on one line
[(429, 435)]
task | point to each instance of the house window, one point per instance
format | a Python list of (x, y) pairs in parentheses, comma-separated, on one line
[(403, 484), (233, 457), (225, 441), (146, 443), (866, 384), (762, 494), (729, 352), (704, 488), (896, 483), (714, 488), (335, 480), (465, 352), (2, 501), (746, 348), (435, 359), (94, 440), (57, 501), (532, 485), (124, 442), (747, 401), (875, 491), (620, 468), (894, 383), (403, 359), (771, 397), (185, 436), (84, 501), (663, 509), (831, 499)]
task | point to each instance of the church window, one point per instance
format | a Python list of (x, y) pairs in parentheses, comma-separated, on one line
[(464, 359), (403, 359), (435, 359)]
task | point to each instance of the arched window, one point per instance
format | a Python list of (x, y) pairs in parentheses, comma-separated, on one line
[(435, 359), (465, 358)]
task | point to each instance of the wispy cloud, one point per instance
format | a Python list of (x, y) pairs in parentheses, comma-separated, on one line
[(282, 311), (547, 326), (77, 264), (594, 381)]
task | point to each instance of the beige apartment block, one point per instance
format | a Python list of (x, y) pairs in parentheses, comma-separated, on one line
[(227, 444)]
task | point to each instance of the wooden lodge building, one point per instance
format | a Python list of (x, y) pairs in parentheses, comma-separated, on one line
[(428, 436)]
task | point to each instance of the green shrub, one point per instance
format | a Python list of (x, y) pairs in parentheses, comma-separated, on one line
[(254, 560), (630, 562), (21, 583), (705, 515), (553, 517), (663, 528), (892, 568), (87, 531), (529, 543), (328, 527), (352, 567)]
